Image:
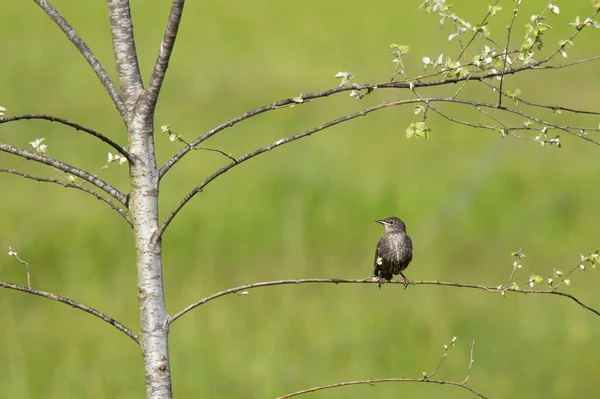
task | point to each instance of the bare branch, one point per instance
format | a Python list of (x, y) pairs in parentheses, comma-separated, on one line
[(87, 54), (164, 54), (76, 305), (101, 184), (372, 382), (72, 185), (487, 288), (342, 119), (415, 84), (74, 125), (126, 60), (471, 361)]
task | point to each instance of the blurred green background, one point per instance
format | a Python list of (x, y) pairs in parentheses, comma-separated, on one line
[(469, 199)]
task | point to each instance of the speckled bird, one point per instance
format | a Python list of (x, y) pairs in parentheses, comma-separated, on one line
[(394, 251)]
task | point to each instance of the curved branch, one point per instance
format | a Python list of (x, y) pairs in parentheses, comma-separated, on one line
[(164, 55), (381, 380), (74, 125), (128, 69), (425, 379), (72, 185), (339, 120), (76, 305), (87, 54), (417, 83), (101, 184), (241, 288)]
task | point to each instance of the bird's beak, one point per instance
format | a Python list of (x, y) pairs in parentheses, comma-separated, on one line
[(383, 222)]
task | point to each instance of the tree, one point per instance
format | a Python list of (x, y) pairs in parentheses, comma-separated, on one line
[(480, 60)]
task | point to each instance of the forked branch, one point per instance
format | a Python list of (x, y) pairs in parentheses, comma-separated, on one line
[(425, 379)]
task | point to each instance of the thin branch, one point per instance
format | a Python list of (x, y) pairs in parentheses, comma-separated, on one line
[(75, 305), (128, 69), (292, 101), (471, 361), (164, 54), (72, 185), (379, 381), (487, 288), (342, 119), (508, 36), (475, 34), (87, 54), (101, 184), (74, 125), (425, 379)]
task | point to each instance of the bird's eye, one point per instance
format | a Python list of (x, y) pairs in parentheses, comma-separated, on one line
[(391, 222)]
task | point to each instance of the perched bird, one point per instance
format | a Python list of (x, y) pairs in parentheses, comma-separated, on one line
[(394, 251)]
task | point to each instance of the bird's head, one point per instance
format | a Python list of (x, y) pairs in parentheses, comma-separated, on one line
[(392, 224)]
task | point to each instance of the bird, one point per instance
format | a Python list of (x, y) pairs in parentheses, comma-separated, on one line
[(394, 251)]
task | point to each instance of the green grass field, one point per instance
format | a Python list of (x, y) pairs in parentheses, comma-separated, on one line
[(468, 197)]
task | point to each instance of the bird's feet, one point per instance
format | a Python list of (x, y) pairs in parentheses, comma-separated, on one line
[(380, 281), (405, 282)]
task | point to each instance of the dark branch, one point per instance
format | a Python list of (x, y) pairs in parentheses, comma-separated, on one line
[(487, 288), (342, 119), (101, 184), (121, 28), (164, 54), (76, 305), (87, 54), (74, 125), (75, 186), (416, 84)]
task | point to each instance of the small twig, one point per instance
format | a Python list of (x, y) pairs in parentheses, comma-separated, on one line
[(508, 36), (120, 211), (207, 149), (21, 261), (471, 361), (487, 288), (446, 348), (76, 305)]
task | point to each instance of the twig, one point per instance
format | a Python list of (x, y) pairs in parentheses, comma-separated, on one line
[(101, 184), (72, 185), (487, 288), (76, 305), (372, 382), (87, 54), (471, 361), (508, 36), (21, 261)]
